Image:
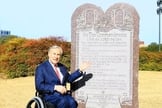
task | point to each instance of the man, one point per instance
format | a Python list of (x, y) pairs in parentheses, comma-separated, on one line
[(51, 76)]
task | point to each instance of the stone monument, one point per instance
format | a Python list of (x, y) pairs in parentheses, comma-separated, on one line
[(109, 40)]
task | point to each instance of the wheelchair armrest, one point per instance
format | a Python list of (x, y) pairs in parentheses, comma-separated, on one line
[(42, 92)]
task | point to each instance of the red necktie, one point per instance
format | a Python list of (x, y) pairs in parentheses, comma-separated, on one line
[(57, 72)]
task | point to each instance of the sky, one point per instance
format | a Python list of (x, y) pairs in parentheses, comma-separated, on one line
[(35, 19)]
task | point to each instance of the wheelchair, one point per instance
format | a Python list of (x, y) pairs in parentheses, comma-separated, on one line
[(38, 102)]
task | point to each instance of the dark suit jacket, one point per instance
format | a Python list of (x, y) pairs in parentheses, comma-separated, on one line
[(46, 79)]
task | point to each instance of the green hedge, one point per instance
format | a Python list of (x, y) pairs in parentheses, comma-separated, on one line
[(19, 56), (150, 60)]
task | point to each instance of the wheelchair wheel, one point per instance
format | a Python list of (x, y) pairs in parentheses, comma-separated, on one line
[(36, 102)]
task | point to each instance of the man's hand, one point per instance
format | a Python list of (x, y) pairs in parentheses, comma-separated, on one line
[(61, 89), (84, 66)]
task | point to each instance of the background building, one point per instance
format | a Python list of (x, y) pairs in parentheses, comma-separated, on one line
[(4, 32)]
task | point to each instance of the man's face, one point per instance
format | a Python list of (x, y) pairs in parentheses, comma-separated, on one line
[(54, 55)]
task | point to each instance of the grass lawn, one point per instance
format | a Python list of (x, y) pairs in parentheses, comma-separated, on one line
[(150, 89), (15, 93)]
